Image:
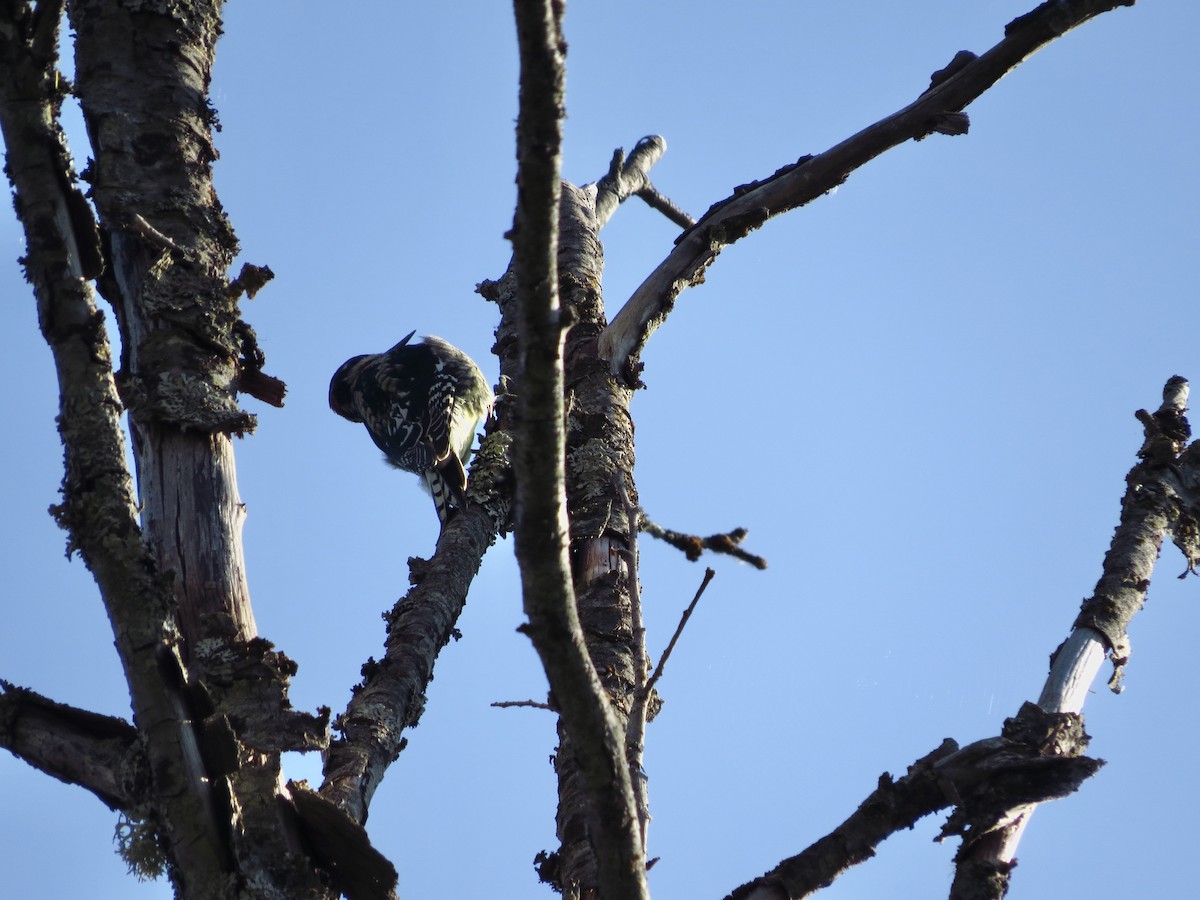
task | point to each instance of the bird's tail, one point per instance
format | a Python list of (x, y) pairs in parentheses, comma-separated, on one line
[(448, 485)]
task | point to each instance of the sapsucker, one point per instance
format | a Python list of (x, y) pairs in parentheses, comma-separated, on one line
[(421, 404)]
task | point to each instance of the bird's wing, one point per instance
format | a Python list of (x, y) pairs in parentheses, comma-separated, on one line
[(397, 421), (441, 413)]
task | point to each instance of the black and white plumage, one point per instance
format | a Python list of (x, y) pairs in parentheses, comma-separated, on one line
[(421, 404)]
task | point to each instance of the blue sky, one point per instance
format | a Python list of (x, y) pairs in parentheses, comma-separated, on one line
[(917, 393)]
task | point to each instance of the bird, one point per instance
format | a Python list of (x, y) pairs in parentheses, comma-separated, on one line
[(421, 404)]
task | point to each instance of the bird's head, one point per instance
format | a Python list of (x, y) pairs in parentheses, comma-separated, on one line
[(341, 388)]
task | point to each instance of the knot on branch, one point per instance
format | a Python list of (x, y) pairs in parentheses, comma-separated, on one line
[(950, 121), (627, 176), (548, 865), (489, 290), (962, 59), (1167, 429), (1038, 757), (193, 351)]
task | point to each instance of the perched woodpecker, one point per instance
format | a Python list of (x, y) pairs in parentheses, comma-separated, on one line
[(421, 404)]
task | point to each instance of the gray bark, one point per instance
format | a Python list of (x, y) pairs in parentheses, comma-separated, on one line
[(199, 764)]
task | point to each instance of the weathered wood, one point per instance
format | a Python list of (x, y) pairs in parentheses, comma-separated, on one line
[(938, 109)]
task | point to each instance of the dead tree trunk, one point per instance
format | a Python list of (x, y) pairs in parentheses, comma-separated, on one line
[(209, 698), (211, 715)]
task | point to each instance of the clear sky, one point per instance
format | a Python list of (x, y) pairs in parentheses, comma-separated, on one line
[(916, 393)]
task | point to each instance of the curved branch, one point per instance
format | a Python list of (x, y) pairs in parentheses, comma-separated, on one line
[(794, 185), (996, 784)]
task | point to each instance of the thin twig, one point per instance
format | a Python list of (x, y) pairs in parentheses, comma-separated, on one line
[(152, 235), (694, 546), (530, 704), (709, 574)]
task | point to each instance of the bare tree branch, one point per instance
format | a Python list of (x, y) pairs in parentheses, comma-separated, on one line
[(99, 753), (528, 704), (1156, 503), (627, 176), (693, 546), (341, 847), (709, 574), (994, 791), (640, 708), (99, 509), (937, 109), (655, 200), (212, 702), (596, 739), (1038, 757), (599, 456), (391, 696), (600, 441)]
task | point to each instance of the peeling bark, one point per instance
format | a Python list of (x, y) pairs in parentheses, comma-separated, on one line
[(169, 247)]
